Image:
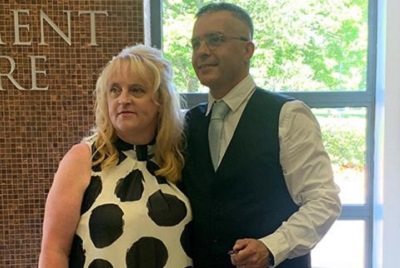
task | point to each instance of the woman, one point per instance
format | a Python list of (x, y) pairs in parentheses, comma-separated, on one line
[(113, 202)]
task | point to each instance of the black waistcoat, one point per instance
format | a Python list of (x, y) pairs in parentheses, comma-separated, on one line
[(247, 196)]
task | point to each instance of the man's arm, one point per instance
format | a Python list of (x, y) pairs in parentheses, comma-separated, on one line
[(309, 178)]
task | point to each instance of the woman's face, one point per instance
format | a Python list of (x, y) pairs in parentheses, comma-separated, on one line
[(131, 107)]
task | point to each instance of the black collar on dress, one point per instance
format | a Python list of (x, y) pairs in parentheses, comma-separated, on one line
[(141, 150)]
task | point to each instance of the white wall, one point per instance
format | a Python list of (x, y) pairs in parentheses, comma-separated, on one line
[(387, 158)]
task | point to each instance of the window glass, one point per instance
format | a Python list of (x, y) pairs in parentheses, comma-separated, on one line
[(343, 132), (321, 46), (343, 246), (316, 51)]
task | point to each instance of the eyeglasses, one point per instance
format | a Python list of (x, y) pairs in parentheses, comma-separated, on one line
[(214, 40)]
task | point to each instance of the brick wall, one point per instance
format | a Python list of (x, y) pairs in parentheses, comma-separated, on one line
[(50, 55)]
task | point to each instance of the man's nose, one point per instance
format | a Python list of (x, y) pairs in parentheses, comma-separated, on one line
[(203, 48)]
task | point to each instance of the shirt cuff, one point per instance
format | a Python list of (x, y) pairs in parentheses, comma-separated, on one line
[(277, 246)]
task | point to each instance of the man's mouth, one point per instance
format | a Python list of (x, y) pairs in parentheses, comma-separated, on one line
[(202, 66)]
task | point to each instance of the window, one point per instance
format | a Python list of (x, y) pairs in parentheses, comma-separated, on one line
[(323, 53)]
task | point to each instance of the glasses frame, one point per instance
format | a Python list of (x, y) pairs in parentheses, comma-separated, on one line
[(214, 40)]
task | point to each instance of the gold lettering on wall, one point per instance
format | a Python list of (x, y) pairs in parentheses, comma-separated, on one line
[(22, 30), (9, 74), (44, 17), (34, 72), (18, 26), (93, 24)]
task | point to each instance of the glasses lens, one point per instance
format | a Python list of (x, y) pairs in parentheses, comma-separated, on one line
[(214, 40), (195, 43)]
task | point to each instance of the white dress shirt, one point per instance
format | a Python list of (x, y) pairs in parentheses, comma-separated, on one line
[(306, 168)]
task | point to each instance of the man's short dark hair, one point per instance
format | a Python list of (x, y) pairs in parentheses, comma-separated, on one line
[(237, 11)]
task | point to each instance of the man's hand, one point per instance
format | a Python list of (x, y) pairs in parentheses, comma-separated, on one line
[(250, 253)]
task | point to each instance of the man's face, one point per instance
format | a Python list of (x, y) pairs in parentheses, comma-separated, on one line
[(223, 63)]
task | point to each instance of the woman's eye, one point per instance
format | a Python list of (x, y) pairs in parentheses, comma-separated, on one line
[(137, 90), (114, 90)]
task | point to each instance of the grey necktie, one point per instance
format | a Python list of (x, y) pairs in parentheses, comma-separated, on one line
[(219, 110)]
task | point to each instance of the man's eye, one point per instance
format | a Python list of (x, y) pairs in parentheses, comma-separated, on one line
[(214, 39), (195, 43)]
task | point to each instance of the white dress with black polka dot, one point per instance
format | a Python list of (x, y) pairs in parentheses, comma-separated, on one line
[(132, 218)]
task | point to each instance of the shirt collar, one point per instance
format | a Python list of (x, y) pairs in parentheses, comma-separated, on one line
[(236, 96)]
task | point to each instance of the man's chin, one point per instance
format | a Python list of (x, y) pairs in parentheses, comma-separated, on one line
[(206, 83), (206, 80)]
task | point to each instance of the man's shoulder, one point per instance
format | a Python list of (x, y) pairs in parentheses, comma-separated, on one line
[(200, 108), (261, 92), (196, 114), (266, 98)]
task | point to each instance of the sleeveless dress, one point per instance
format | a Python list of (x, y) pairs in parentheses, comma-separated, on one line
[(132, 218)]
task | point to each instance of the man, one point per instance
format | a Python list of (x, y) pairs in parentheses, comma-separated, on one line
[(269, 196)]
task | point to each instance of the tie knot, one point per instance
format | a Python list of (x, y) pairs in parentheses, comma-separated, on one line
[(219, 110)]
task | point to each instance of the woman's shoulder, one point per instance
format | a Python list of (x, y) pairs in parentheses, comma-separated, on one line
[(80, 150), (80, 153)]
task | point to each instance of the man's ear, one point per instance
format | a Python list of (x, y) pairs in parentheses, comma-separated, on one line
[(249, 50)]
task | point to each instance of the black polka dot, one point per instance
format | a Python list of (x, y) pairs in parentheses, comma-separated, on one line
[(106, 225), (91, 193), (186, 238), (165, 209), (99, 263), (131, 187), (77, 254), (97, 167), (147, 252), (121, 157), (152, 168)]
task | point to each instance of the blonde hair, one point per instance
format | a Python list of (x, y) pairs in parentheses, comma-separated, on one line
[(144, 61)]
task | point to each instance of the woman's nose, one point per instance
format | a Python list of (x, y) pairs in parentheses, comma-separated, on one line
[(124, 98)]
